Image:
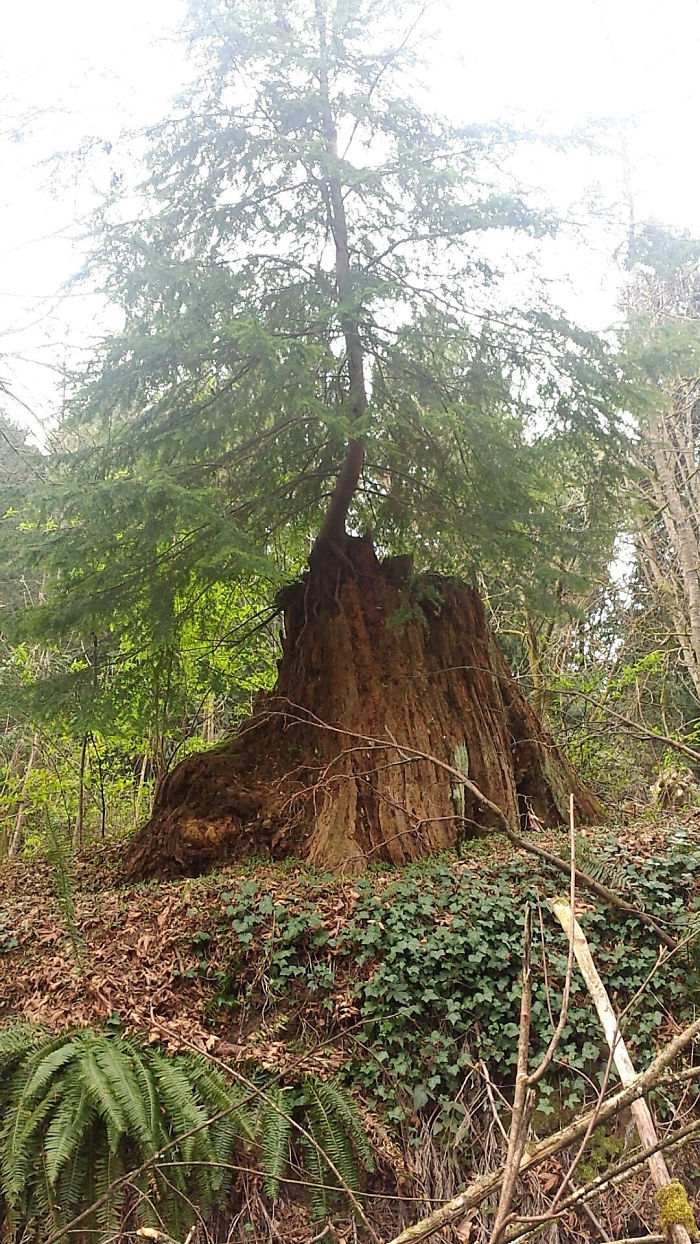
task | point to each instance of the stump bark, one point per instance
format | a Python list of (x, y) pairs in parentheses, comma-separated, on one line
[(374, 657)]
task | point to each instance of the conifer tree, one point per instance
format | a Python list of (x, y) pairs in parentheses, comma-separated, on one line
[(317, 346)]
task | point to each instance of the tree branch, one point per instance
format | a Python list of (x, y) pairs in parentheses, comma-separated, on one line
[(486, 1185)]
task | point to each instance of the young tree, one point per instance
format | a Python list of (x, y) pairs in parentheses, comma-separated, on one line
[(317, 343)]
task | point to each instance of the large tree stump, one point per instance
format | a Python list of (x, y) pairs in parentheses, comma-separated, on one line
[(374, 657)]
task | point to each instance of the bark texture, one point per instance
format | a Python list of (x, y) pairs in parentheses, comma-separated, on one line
[(371, 652)]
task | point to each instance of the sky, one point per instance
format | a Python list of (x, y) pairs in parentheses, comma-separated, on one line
[(79, 69)]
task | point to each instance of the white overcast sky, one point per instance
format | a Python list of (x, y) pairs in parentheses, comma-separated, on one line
[(85, 68)]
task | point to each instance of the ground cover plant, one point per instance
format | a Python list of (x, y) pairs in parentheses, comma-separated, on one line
[(101, 1122), (395, 988), (430, 964)]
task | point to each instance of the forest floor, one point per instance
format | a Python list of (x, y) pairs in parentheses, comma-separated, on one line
[(78, 947), (395, 983)]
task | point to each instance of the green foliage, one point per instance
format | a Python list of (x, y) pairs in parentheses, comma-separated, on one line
[(431, 965), (276, 1131), (335, 1138), (78, 1111), (603, 1151), (58, 856), (201, 442), (336, 1129)]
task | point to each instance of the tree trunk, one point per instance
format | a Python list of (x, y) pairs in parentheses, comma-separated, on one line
[(17, 840), (139, 789), (374, 658), (78, 834)]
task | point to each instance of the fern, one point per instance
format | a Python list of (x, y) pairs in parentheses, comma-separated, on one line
[(43, 1069), (601, 866), (318, 1172), (236, 1124), (274, 1138), (116, 1064), (330, 1117), (332, 1138), (67, 1128), (215, 1092), (20, 1152), (60, 863), (80, 1109), (105, 1169), (338, 1105), (186, 1115), (16, 1040), (99, 1088), (148, 1091), (72, 1180)]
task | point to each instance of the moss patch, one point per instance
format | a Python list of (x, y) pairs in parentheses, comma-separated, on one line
[(675, 1209)]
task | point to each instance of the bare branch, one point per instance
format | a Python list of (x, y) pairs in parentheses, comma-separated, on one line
[(486, 1185)]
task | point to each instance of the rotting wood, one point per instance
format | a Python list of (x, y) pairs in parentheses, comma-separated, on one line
[(288, 785), (640, 1109)]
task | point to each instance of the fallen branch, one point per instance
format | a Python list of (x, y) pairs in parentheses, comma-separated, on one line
[(481, 1188), (614, 1175), (596, 887), (641, 1113), (640, 1239)]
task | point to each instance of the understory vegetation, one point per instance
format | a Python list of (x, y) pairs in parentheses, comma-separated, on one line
[(342, 1035)]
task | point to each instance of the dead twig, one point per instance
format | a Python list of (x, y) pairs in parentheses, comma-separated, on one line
[(523, 1099), (625, 1068), (613, 1175), (486, 1185)]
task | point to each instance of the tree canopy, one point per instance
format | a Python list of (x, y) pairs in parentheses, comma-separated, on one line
[(310, 262)]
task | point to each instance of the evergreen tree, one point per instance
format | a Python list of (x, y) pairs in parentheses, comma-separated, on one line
[(317, 342)]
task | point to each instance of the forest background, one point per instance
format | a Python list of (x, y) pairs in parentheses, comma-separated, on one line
[(154, 513), (591, 603)]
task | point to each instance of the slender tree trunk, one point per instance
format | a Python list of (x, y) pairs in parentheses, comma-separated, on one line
[(103, 801), (681, 530), (209, 719), (80, 818), (537, 646), (333, 527), (17, 839), (671, 474), (139, 789)]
